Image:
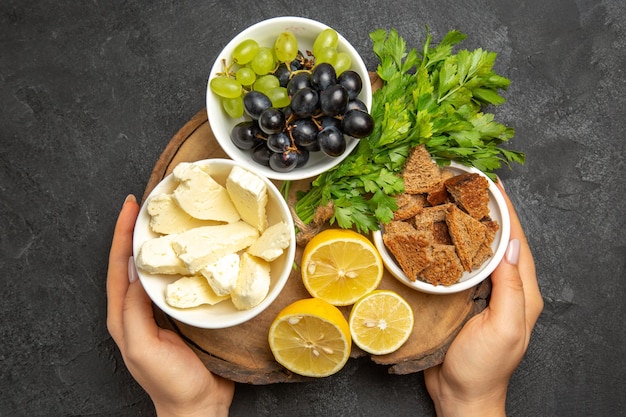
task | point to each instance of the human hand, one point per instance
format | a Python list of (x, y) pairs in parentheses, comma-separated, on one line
[(175, 378), (474, 376)]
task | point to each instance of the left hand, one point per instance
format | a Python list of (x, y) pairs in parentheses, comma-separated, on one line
[(170, 372)]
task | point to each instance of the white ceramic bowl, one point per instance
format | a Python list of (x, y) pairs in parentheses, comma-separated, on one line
[(265, 32), (498, 212), (223, 314)]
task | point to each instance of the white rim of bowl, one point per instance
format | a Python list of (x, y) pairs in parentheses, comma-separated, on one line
[(235, 153), (486, 269)]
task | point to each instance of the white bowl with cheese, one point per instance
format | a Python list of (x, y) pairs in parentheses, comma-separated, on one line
[(265, 33), (200, 228), (498, 212)]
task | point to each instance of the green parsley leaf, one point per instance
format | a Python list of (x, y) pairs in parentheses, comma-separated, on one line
[(433, 97)]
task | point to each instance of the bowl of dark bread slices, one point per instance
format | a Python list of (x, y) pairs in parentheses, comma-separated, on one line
[(450, 230)]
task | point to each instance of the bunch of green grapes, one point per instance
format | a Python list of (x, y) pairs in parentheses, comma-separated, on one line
[(268, 69)]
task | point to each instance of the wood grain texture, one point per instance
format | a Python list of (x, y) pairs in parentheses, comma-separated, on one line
[(242, 353)]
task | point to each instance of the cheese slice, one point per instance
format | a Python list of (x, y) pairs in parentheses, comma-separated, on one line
[(274, 240), (248, 193), (253, 282), (157, 256), (222, 274), (166, 216), (201, 196), (192, 291), (202, 246)]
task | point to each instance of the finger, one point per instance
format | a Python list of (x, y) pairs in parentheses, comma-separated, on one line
[(526, 265), (508, 301), (117, 274), (138, 316)]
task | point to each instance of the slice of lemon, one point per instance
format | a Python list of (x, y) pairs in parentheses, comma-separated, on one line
[(310, 337), (340, 266), (381, 322)]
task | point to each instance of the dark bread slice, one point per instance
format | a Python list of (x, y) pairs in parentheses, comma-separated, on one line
[(467, 234), (430, 215), (441, 235), (410, 247), (470, 192), (408, 205), (420, 173), (439, 194), (484, 251), (445, 268)]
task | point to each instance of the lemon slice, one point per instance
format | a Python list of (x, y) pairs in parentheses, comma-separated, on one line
[(310, 337), (340, 266), (381, 322)]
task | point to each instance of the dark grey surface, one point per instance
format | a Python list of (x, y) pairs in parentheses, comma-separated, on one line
[(92, 92)]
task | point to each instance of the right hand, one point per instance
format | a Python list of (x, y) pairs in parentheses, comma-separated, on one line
[(474, 376)]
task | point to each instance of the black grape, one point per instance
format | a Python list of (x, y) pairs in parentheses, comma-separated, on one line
[(356, 104), (357, 124), (284, 161), (333, 100), (303, 157), (272, 120), (298, 82), (326, 121), (304, 102), (246, 135), (254, 103), (283, 74), (304, 132), (323, 76), (352, 82), (261, 154), (332, 141), (278, 142)]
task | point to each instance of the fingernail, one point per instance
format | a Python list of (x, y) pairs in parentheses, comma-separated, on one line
[(130, 197), (132, 271), (512, 252)]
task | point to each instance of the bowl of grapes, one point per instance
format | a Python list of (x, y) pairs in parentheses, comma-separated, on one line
[(289, 96)]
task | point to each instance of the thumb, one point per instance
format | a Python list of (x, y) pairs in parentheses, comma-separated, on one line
[(139, 323), (507, 302)]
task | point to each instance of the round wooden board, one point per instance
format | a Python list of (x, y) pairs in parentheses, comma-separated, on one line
[(242, 353)]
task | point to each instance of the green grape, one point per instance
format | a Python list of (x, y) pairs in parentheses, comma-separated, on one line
[(342, 63), (286, 47), (327, 54), (245, 76), (245, 51), (279, 97), (225, 87), (263, 62), (328, 38), (265, 83), (233, 106)]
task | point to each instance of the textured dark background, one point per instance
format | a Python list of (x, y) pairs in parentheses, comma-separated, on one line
[(91, 93)]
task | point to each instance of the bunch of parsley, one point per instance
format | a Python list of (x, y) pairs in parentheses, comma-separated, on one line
[(433, 97)]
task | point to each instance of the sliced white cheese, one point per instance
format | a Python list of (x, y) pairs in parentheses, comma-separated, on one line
[(202, 246), (253, 283), (157, 256), (166, 216), (201, 196), (222, 274), (192, 291), (274, 240), (248, 192)]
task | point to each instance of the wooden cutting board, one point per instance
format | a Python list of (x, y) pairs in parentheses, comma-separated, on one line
[(242, 353)]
